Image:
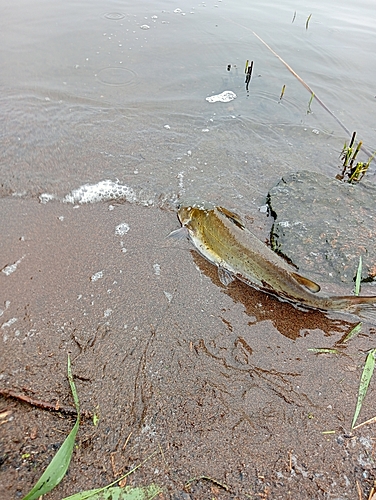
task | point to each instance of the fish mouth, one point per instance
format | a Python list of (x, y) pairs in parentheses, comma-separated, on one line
[(184, 215)]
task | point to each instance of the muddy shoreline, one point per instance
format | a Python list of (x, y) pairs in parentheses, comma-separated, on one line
[(218, 381)]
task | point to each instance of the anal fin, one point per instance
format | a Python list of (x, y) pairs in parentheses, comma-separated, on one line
[(307, 283)]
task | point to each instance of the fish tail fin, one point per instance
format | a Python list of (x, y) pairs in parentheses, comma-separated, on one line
[(362, 306), (367, 311)]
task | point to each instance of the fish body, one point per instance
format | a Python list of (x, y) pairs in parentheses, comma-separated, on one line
[(220, 236)]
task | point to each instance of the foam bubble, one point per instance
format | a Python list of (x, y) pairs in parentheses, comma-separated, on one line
[(46, 197), (97, 276), (122, 229), (107, 313), (102, 191), (7, 304), (10, 268), (108, 190), (157, 269), (8, 323), (168, 296), (226, 96)]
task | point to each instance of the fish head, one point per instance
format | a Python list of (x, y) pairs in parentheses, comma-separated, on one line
[(193, 216), (184, 214)]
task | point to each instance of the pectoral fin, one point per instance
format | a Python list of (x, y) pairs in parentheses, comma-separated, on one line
[(307, 283), (225, 276), (179, 234)]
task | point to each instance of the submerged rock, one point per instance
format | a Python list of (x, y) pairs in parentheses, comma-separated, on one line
[(323, 225)]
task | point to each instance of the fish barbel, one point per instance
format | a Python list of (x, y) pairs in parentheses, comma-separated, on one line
[(221, 237)]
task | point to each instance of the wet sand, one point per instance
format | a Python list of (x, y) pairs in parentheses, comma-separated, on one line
[(218, 381)]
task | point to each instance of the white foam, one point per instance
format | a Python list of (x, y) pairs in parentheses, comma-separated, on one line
[(107, 313), (225, 96), (46, 197), (7, 304), (97, 276), (10, 268), (102, 191), (8, 323), (108, 190), (168, 296), (122, 229), (157, 269)]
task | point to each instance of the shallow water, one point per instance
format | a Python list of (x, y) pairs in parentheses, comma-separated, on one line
[(225, 381), (114, 90)]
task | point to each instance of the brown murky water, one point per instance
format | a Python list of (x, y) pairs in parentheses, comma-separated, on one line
[(219, 382)]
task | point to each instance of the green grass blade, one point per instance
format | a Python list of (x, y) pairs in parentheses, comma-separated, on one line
[(307, 22), (310, 102), (358, 277), (89, 494), (353, 333), (364, 383), (117, 493), (58, 466), (73, 388)]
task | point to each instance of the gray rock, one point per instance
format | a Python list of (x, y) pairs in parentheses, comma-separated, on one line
[(323, 225)]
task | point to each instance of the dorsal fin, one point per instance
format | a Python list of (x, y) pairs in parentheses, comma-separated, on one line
[(307, 283), (235, 218)]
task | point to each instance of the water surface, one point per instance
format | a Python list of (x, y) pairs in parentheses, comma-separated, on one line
[(116, 90)]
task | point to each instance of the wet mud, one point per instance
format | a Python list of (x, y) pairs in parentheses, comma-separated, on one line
[(219, 382)]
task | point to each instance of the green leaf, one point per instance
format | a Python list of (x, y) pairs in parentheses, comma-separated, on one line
[(117, 493), (58, 466), (358, 277), (364, 383), (357, 328)]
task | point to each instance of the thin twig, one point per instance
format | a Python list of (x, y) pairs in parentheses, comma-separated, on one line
[(372, 493), (370, 421), (207, 478), (127, 440), (359, 490), (45, 405), (303, 83), (309, 89), (163, 456)]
